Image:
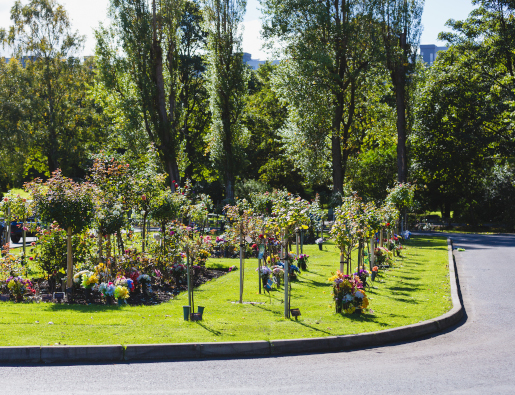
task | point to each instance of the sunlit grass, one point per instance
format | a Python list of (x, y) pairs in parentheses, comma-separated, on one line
[(416, 289)]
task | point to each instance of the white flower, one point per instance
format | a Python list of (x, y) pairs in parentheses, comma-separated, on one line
[(348, 298), (359, 294), (142, 212)]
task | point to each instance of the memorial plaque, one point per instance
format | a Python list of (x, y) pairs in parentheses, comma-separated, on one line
[(59, 296), (5, 297), (196, 317), (46, 297), (295, 313)]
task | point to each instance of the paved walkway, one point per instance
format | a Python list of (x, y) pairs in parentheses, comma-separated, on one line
[(476, 357)]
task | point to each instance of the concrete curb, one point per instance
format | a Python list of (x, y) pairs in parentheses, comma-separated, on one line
[(181, 351)]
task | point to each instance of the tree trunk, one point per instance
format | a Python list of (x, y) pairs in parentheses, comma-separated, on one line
[(399, 81), (144, 232), (69, 259), (401, 125)]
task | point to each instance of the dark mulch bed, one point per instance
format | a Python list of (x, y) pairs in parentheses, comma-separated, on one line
[(160, 292)]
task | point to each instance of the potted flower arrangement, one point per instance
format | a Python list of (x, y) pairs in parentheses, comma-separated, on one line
[(145, 281), (374, 273), (107, 291), (348, 293), (319, 241), (121, 293), (178, 272), (18, 286), (278, 273), (124, 282), (363, 274), (383, 256), (302, 261), (264, 274)]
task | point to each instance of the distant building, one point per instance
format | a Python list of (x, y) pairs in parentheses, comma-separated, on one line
[(429, 52), (255, 63)]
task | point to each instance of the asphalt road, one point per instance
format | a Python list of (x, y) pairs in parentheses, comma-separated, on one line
[(476, 357)]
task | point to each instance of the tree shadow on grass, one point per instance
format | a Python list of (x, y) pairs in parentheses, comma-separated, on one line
[(315, 284), (80, 308), (213, 331), (404, 300), (412, 288), (267, 310), (310, 327)]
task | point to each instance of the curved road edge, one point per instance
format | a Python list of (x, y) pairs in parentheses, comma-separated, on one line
[(181, 351)]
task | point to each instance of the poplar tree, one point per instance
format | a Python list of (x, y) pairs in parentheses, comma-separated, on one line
[(400, 22), (227, 79)]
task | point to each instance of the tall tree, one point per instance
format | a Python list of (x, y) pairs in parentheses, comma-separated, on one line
[(59, 123), (227, 78), (158, 78), (149, 36), (401, 29), (327, 46)]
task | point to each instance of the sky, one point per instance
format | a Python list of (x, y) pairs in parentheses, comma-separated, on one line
[(86, 15)]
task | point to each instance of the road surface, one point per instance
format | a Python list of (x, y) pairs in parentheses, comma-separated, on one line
[(476, 357)]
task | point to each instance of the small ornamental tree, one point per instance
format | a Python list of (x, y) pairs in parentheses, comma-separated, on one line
[(243, 224), (66, 202), (148, 185), (112, 176), (290, 214), (21, 209), (346, 228), (402, 196)]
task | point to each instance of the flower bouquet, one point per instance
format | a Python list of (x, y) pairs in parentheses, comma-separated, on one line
[(121, 293), (107, 291), (178, 272), (278, 273), (348, 293), (363, 274), (18, 286), (374, 273), (264, 273), (383, 256), (145, 281), (302, 261), (124, 282), (89, 279), (319, 241)]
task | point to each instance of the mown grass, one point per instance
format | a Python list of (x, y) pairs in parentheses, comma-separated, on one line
[(416, 289)]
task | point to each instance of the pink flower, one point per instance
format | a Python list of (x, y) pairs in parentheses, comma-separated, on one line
[(31, 258), (33, 244)]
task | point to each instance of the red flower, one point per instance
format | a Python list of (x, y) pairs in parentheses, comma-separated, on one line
[(143, 197)]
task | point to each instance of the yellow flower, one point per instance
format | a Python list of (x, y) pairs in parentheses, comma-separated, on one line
[(350, 310)]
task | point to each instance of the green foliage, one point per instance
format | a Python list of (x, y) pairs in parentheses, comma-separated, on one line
[(58, 123), (401, 195), (62, 200), (227, 78), (373, 171)]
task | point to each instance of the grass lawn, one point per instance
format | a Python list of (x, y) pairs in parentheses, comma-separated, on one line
[(416, 289)]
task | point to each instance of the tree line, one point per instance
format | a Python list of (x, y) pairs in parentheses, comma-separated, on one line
[(349, 107)]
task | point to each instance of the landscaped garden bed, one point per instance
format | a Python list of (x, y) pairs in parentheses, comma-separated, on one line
[(414, 289)]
